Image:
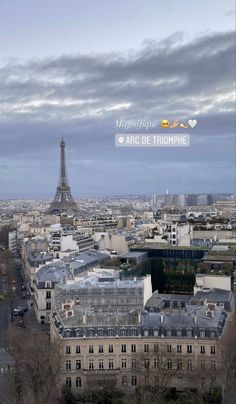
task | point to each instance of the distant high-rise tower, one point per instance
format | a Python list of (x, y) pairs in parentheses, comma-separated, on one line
[(63, 200)]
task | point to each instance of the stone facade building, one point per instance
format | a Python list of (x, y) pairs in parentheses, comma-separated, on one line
[(173, 342)]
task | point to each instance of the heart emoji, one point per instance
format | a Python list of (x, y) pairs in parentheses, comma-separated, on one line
[(192, 122)]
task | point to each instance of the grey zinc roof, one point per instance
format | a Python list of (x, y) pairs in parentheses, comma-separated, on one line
[(213, 295), (156, 300), (185, 320), (54, 273), (79, 261)]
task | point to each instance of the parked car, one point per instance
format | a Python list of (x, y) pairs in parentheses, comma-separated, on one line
[(19, 311)]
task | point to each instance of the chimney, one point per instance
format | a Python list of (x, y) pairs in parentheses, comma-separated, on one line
[(162, 317), (84, 318)]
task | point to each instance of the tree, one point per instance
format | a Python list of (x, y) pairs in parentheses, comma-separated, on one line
[(8, 270), (103, 393), (67, 396), (4, 232), (34, 376)]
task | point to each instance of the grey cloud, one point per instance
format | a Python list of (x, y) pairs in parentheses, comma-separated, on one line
[(77, 96)]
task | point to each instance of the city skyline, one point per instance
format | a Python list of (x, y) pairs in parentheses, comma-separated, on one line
[(80, 89)]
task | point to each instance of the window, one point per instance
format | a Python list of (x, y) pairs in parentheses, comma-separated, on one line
[(124, 381), (90, 348), (189, 333), (78, 382), (77, 332), (68, 349), (169, 332), (133, 363), (213, 349), (213, 365), (100, 332), (91, 364), (123, 332), (179, 364), (169, 364), (133, 332), (48, 294), (78, 364), (146, 348), (203, 364), (146, 363), (123, 348), (155, 363), (110, 332), (169, 348), (100, 349), (77, 349), (202, 349), (68, 381), (48, 306), (189, 349), (134, 381), (91, 332), (146, 333), (68, 365), (100, 364), (189, 364), (179, 348), (111, 364), (110, 349), (202, 334), (123, 363), (155, 348), (48, 284), (133, 348)]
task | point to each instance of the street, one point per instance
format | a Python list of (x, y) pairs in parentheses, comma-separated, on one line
[(29, 321)]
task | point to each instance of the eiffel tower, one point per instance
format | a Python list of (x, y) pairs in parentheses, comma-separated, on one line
[(63, 200)]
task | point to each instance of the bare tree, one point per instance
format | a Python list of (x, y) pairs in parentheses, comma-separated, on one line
[(227, 362), (34, 375), (8, 270)]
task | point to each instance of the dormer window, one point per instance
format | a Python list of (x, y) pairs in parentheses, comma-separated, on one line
[(179, 332), (48, 284), (169, 332), (123, 332), (133, 331)]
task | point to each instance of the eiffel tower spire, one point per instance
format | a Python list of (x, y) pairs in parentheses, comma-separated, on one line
[(63, 200)]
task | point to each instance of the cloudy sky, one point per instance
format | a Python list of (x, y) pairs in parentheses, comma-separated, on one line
[(73, 68)]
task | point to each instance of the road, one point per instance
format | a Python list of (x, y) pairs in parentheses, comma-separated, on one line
[(30, 321)]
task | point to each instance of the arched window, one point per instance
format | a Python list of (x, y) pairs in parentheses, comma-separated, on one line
[(189, 333), (67, 333), (68, 381), (68, 365), (155, 332), (179, 332), (100, 332), (91, 332), (133, 331), (78, 382), (146, 332), (110, 332), (124, 381), (123, 332), (77, 332)]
